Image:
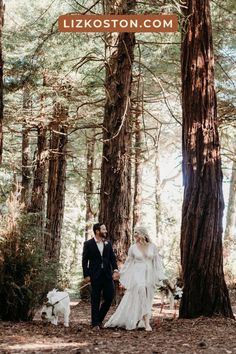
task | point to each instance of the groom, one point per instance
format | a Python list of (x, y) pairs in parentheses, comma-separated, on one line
[(99, 268)]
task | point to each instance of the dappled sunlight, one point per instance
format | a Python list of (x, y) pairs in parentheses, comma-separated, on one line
[(46, 346)]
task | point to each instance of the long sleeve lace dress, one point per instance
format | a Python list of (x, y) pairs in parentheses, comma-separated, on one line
[(139, 275)]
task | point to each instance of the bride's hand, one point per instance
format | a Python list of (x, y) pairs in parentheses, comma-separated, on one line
[(121, 287)]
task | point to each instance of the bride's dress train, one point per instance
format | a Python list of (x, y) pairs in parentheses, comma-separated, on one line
[(139, 276)]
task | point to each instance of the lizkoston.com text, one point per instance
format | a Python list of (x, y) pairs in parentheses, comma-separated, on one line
[(102, 23)]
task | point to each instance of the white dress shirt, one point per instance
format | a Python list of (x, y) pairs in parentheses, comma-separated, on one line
[(100, 245)]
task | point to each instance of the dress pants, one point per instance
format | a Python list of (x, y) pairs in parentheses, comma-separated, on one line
[(101, 286)]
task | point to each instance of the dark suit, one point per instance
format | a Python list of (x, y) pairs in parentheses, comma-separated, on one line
[(99, 269)]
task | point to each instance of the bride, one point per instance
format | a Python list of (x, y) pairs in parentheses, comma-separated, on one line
[(141, 272)]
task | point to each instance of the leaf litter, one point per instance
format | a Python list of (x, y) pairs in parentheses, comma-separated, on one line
[(169, 335)]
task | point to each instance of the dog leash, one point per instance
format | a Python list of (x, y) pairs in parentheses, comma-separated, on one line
[(84, 286), (48, 304)]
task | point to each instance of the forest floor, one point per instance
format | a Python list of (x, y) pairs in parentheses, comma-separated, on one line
[(201, 335)]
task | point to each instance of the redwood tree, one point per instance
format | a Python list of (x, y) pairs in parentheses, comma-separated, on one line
[(205, 291), (89, 185), (37, 204), (116, 166), (56, 181), (2, 8), (137, 167), (25, 192)]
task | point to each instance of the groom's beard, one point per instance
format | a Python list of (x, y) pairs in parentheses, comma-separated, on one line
[(104, 236)]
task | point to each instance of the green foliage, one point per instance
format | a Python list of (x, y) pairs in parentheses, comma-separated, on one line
[(25, 277)]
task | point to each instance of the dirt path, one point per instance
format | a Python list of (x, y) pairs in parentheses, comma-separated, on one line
[(169, 335)]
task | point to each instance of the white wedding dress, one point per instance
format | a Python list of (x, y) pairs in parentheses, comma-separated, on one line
[(139, 276)]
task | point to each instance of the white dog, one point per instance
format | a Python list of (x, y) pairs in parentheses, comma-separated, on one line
[(58, 303)]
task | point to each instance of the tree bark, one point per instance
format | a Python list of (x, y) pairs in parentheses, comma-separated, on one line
[(230, 228), (37, 204), (25, 192), (137, 169), (56, 182), (205, 292), (116, 164), (157, 181), (38, 191), (2, 9), (25, 170), (89, 188)]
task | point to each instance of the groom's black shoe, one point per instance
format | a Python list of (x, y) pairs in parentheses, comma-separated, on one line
[(97, 327)]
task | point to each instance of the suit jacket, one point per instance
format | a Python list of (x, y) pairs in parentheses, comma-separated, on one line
[(93, 263)]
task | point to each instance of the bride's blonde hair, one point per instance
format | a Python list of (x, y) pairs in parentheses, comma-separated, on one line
[(142, 231)]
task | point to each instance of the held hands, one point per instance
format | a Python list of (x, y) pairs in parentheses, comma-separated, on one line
[(116, 275), (122, 288)]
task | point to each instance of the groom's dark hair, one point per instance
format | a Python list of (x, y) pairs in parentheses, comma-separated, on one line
[(97, 227)]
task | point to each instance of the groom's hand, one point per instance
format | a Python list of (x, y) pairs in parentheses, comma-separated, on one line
[(116, 275), (87, 279)]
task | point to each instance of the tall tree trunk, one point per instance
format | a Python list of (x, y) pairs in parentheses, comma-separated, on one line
[(25, 192), (89, 187), (230, 233), (205, 292), (37, 204), (56, 182), (137, 168), (158, 181), (138, 145), (2, 9), (25, 170), (116, 166), (38, 190), (231, 211)]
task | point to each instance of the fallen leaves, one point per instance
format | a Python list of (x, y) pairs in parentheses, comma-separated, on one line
[(202, 335)]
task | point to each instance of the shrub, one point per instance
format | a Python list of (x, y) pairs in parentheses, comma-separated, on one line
[(25, 275)]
